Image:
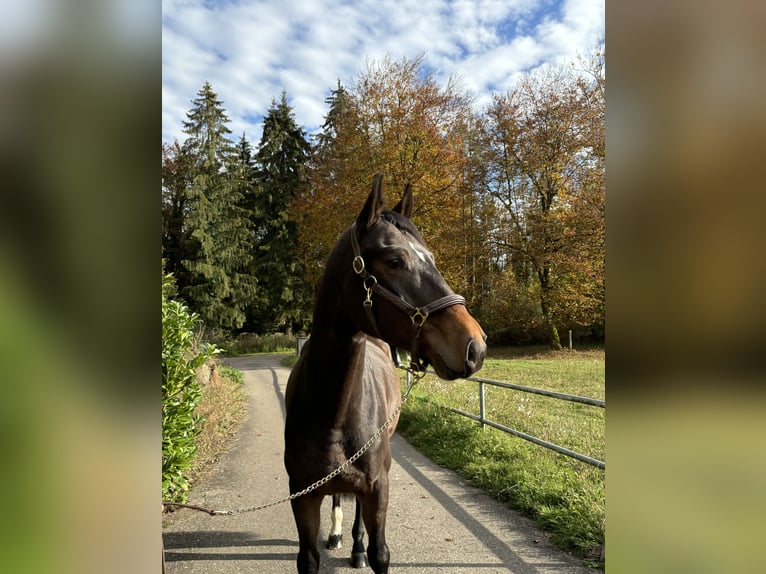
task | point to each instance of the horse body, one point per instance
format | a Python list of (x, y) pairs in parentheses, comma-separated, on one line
[(345, 386), (338, 411)]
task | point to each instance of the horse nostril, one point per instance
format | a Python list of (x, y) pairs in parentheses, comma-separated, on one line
[(471, 354), (474, 357)]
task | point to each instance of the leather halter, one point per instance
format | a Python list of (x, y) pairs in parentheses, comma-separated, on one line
[(418, 315)]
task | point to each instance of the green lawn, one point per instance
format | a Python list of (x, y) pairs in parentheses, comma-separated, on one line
[(566, 496)]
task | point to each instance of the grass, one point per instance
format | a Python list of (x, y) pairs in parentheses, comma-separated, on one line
[(565, 496), (222, 408)]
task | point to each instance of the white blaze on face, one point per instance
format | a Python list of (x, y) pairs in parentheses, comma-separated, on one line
[(419, 251)]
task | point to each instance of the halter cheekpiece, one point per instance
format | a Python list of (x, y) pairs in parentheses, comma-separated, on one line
[(418, 315)]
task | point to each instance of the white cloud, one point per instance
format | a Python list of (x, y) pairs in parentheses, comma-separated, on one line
[(250, 51)]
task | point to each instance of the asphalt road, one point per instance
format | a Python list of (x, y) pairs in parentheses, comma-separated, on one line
[(436, 522)]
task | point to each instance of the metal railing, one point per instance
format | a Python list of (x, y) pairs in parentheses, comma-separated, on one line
[(482, 416)]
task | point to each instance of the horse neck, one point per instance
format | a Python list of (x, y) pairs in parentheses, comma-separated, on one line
[(328, 308), (336, 342)]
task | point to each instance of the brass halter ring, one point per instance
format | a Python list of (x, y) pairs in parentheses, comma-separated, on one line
[(358, 265), (418, 317)]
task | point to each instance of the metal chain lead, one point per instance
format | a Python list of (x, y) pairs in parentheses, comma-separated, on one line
[(416, 376)]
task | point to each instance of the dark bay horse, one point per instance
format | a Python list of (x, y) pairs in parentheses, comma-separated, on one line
[(380, 290)]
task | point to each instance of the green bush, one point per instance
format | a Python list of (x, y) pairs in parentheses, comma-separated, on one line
[(247, 343), (182, 354)]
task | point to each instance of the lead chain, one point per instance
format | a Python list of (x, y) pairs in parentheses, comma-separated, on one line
[(416, 376)]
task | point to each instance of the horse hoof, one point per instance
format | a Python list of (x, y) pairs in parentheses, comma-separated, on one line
[(358, 560), (334, 541)]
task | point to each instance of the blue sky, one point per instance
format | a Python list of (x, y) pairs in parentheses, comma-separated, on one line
[(251, 50)]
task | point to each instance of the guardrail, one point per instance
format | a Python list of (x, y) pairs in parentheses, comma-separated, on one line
[(482, 416)]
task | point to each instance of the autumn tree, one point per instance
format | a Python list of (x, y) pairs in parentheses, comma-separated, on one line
[(581, 295), (396, 120), (328, 203), (544, 170)]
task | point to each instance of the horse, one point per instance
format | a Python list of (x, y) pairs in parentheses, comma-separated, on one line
[(380, 290)]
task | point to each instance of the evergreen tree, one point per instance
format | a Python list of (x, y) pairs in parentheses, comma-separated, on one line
[(246, 175), (340, 110), (217, 280), (281, 161), (175, 181)]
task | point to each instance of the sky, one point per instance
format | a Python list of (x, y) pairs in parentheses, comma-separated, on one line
[(251, 50)]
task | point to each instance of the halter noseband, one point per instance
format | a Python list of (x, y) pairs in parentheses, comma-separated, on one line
[(418, 315)]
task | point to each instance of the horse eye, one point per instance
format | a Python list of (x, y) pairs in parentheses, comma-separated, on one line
[(394, 263)]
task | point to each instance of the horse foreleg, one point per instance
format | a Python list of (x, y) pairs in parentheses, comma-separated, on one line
[(335, 539), (374, 508), (358, 559), (306, 511)]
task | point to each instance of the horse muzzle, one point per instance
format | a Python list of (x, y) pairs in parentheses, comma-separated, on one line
[(457, 350), (474, 356)]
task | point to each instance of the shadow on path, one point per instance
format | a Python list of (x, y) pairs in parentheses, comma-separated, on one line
[(492, 542)]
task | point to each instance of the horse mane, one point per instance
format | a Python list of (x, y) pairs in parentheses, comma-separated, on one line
[(402, 223)]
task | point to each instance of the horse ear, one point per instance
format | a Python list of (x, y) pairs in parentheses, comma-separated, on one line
[(373, 207), (407, 202)]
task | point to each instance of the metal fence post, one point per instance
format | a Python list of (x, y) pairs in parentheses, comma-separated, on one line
[(482, 408)]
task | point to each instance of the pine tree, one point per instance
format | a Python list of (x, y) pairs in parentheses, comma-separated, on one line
[(246, 175), (280, 173), (175, 181), (281, 161), (340, 110), (217, 280)]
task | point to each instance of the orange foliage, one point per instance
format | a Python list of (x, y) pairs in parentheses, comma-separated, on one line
[(400, 123), (511, 202)]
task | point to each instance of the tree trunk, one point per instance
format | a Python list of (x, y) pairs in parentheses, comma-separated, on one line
[(553, 332)]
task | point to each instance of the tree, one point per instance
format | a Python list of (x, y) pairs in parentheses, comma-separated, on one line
[(176, 180), (244, 173), (581, 298), (216, 279), (398, 121), (331, 199), (546, 173), (280, 175)]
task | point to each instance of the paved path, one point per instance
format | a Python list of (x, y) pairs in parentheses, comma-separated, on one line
[(436, 523)]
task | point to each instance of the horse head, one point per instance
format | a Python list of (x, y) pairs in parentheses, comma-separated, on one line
[(396, 292)]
